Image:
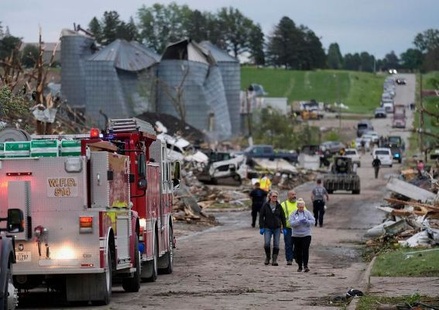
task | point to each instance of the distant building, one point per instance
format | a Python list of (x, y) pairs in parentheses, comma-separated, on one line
[(50, 48)]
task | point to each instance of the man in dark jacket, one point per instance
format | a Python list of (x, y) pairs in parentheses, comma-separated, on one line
[(376, 164), (271, 221), (258, 197)]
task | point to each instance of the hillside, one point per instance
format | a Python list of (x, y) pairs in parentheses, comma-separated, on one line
[(359, 90)]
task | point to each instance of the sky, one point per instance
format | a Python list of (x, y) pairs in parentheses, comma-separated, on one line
[(374, 26)]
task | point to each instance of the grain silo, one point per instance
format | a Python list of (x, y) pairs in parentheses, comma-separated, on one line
[(191, 88), (120, 80), (75, 48), (231, 77)]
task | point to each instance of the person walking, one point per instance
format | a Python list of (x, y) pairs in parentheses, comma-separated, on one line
[(301, 221), (271, 221), (265, 183), (289, 206), (376, 164), (258, 197), (319, 197)]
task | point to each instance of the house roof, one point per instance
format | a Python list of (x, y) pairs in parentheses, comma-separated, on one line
[(129, 56)]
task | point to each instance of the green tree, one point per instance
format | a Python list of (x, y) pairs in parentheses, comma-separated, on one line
[(431, 60), (284, 45), (161, 25), (391, 61), (110, 26), (127, 31), (256, 45), (313, 55), (29, 55), (95, 28), (7, 45), (335, 59), (352, 62), (197, 26), (236, 30), (412, 59), (427, 41), (367, 62)]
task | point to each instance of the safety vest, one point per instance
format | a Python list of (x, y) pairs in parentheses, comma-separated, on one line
[(265, 184), (288, 207)]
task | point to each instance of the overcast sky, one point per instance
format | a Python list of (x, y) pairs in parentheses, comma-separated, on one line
[(374, 26)]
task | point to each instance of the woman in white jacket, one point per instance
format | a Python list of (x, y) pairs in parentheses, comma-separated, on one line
[(301, 222)]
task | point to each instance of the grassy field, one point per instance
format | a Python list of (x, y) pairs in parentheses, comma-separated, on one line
[(360, 91)]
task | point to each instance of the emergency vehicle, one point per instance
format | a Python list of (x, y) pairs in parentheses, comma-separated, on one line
[(96, 208)]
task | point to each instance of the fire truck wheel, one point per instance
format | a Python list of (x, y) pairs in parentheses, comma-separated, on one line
[(108, 280), (168, 258), (149, 273), (133, 284)]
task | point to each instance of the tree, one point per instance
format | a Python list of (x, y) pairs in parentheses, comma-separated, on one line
[(1, 31), (12, 107), (367, 62), (256, 45), (335, 59), (95, 28), (29, 55), (391, 61), (431, 60), (284, 45), (427, 41), (236, 30), (312, 52), (412, 59), (7, 45), (110, 26), (127, 31), (351, 62)]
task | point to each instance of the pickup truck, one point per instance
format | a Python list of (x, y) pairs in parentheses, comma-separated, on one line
[(268, 151)]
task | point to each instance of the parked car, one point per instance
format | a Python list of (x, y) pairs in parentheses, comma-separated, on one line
[(396, 151), (384, 154), (333, 146), (363, 126), (380, 113), (354, 155)]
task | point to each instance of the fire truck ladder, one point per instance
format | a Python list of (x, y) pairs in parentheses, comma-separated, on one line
[(130, 124)]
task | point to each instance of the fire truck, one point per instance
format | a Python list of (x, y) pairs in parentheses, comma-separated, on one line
[(97, 208)]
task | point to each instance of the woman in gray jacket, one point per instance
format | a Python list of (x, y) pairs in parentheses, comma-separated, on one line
[(301, 222)]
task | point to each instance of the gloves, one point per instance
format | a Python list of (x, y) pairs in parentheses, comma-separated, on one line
[(285, 231), (261, 231), (304, 221)]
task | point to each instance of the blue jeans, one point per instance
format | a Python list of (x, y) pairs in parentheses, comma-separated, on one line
[(289, 248), (272, 233)]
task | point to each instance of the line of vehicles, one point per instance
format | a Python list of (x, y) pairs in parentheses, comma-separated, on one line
[(90, 209)]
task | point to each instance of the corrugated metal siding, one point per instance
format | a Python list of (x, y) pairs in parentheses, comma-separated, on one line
[(231, 79), (127, 56), (203, 94), (74, 49)]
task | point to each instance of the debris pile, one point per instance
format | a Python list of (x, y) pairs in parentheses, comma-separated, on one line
[(412, 211)]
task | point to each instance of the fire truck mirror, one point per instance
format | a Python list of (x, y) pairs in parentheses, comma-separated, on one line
[(141, 167), (15, 221), (176, 174)]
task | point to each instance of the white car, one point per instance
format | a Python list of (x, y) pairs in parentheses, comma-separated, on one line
[(375, 136), (354, 155), (384, 154)]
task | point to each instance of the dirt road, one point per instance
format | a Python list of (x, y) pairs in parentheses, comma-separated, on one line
[(222, 267)]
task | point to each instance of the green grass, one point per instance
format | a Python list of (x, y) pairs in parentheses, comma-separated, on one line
[(407, 262), (403, 302), (359, 90)]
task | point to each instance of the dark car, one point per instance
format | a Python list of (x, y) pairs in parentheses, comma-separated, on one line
[(332, 146), (400, 81), (396, 151), (380, 113)]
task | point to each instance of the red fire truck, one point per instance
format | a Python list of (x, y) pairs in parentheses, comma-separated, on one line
[(96, 208)]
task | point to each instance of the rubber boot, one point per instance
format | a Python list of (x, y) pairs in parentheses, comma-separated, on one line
[(267, 256), (275, 253), (274, 262)]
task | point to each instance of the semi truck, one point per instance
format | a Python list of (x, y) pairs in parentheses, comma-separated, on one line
[(97, 209)]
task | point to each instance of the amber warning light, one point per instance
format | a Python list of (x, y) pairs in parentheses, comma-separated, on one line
[(86, 224)]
